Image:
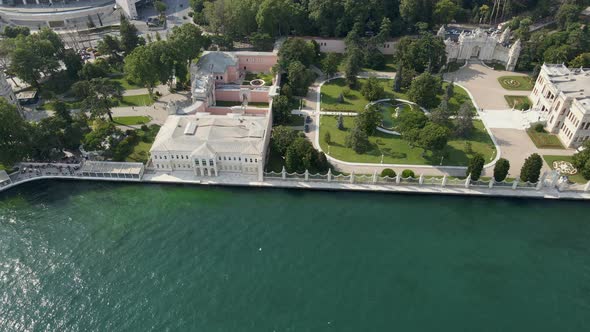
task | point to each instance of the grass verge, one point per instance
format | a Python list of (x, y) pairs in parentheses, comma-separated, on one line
[(518, 83), (544, 140)]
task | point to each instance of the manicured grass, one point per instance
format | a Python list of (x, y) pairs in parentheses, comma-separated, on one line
[(544, 140), (132, 120), (137, 100), (127, 85), (520, 83), (577, 178), (389, 66), (254, 76), (141, 150), (354, 101), (518, 102), (396, 150)]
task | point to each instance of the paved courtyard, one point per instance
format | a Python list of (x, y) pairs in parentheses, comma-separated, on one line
[(483, 84)]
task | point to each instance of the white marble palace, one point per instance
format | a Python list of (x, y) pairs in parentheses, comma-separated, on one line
[(563, 97), (210, 140), (481, 45)]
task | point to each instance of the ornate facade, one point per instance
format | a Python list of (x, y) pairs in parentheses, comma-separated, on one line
[(482, 45)]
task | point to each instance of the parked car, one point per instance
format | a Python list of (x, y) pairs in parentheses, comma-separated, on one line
[(308, 119), (306, 128)]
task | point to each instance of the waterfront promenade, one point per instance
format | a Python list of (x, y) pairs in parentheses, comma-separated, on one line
[(547, 189)]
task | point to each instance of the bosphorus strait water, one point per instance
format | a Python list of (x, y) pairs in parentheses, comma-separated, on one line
[(80, 256)]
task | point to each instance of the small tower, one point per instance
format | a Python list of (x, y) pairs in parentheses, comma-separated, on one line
[(513, 55), (441, 32), (505, 37)]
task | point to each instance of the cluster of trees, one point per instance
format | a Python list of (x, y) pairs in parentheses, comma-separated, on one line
[(335, 18), (530, 171), (43, 140), (365, 124), (160, 60), (581, 160), (569, 43), (298, 152)]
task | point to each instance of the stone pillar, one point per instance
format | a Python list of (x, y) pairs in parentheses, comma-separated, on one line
[(444, 181), (421, 180), (398, 179), (587, 187), (329, 175), (554, 179), (541, 181), (352, 177), (468, 181), (515, 184), (306, 175), (374, 177), (491, 185), (284, 173)]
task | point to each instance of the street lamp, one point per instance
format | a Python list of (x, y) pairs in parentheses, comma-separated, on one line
[(382, 158), (441, 160)]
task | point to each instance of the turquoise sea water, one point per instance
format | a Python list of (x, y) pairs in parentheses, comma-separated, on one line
[(105, 257)]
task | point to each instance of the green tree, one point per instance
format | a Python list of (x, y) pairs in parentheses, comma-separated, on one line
[(14, 137), (397, 81), (567, 14), (581, 160), (96, 69), (501, 169), (328, 137), (433, 137), (280, 110), (99, 96), (409, 120), (442, 114), (262, 41), (368, 120), (296, 49), (109, 45), (464, 126), (282, 137), (424, 89), (160, 7), (445, 11), (129, 38), (352, 65), (372, 89), (450, 90), (73, 63), (300, 156), (15, 31), (340, 122), (531, 169), (300, 78), (140, 65), (35, 56), (330, 64), (475, 166), (581, 61), (187, 41), (408, 173), (358, 140), (388, 172)]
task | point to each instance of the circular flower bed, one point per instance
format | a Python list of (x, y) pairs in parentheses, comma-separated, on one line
[(564, 168), (511, 83), (257, 82)]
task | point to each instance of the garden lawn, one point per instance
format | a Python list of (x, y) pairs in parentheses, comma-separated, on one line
[(356, 102), (141, 150), (522, 83), (544, 140), (132, 120), (577, 178), (518, 102), (137, 100), (126, 84), (396, 150), (255, 76)]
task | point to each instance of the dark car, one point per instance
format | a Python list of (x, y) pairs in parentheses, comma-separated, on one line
[(308, 119), (306, 128)]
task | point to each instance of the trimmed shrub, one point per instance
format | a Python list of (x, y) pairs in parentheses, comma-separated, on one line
[(388, 172), (407, 173), (501, 169), (531, 169), (539, 128), (475, 166)]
